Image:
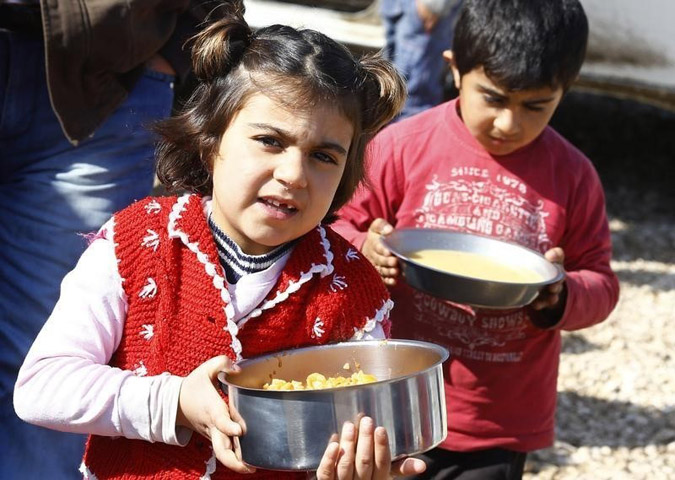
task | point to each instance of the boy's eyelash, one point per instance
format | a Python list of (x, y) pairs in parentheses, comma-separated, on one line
[(498, 101), (490, 99)]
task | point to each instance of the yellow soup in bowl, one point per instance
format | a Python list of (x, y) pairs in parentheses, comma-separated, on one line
[(474, 265)]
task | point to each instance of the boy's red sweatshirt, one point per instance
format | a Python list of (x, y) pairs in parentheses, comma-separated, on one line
[(429, 172)]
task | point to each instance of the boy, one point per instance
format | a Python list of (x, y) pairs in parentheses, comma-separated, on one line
[(487, 163)]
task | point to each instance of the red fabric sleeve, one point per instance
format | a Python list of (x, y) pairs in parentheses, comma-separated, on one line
[(380, 197), (593, 289)]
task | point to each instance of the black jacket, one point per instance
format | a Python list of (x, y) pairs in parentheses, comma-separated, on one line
[(96, 50)]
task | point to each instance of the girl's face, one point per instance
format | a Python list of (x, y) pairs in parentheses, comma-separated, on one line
[(503, 121), (277, 171)]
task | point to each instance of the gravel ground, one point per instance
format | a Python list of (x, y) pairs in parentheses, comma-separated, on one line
[(616, 389)]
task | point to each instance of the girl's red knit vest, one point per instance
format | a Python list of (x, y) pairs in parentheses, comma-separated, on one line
[(179, 316)]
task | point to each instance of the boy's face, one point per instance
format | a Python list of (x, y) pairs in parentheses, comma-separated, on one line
[(277, 172), (503, 121)]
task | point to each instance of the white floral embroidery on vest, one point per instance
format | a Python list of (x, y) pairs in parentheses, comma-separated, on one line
[(351, 255), (338, 283), (151, 240), (317, 330), (148, 331), (153, 207), (149, 289)]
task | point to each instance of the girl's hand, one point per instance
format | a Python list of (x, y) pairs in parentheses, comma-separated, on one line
[(202, 409), (384, 261), (363, 453)]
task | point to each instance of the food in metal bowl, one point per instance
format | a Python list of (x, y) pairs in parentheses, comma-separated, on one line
[(474, 265), (317, 381), (471, 269), (290, 429)]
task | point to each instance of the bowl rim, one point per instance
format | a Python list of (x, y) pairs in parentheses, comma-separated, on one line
[(443, 352), (560, 274)]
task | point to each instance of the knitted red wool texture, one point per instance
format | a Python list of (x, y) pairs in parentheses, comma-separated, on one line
[(188, 321)]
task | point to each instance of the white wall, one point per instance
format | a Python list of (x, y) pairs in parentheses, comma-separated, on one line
[(633, 40)]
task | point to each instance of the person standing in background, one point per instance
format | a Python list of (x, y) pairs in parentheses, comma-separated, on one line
[(416, 34), (79, 83)]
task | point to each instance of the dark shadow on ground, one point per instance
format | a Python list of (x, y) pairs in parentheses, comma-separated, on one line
[(656, 282), (594, 422), (591, 421), (575, 343), (655, 243)]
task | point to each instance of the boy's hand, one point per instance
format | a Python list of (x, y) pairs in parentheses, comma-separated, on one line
[(363, 453), (547, 309), (550, 297), (384, 261), (202, 409)]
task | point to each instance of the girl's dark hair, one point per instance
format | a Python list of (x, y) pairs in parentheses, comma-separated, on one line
[(522, 44), (301, 67)]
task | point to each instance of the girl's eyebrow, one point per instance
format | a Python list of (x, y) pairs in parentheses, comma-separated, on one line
[(271, 128), (285, 134)]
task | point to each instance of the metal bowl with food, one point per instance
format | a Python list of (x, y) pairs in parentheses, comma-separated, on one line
[(290, 430), (471, 269)]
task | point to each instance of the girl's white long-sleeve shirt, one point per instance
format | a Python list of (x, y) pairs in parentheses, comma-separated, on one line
[(66, 383)]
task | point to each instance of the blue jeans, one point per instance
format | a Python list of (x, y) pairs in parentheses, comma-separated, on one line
[(50, 193), (417, 54)]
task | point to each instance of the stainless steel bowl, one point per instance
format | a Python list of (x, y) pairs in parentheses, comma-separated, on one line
[(468, 290), (289, 430)]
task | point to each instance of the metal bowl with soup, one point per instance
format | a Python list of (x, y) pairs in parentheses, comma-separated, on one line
[(290, 429), (471, 269)]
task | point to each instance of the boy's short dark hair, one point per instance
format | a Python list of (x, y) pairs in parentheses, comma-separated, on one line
[(522, 44)]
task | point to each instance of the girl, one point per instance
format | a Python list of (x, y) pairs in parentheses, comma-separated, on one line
[(173, 290)]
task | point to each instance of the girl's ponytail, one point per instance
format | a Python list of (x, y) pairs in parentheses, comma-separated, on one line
[(219, 48), (384, 90)]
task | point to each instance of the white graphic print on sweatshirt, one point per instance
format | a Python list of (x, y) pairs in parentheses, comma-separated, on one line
[(494, 207), (478, 201)]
